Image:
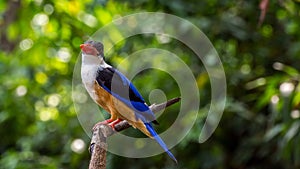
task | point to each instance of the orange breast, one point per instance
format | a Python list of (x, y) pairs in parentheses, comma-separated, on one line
[(103, 97), (118, 109)]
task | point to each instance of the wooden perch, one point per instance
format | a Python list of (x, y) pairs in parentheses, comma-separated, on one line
[(98, 144)]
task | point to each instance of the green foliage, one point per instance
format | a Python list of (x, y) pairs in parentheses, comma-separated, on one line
[(260, 125)]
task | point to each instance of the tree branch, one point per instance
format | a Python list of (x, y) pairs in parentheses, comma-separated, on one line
[(98, 144), (98, 147)]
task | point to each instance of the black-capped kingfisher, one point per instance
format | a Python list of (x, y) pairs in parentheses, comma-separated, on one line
[(110, 89)]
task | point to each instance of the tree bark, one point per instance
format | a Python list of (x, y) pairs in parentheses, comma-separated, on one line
[(98, 144)]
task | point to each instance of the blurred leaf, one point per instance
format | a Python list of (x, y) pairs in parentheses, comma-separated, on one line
[(273, 131), (292, 131)]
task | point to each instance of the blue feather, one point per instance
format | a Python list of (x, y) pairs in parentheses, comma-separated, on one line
[(159, 140), (141, 110), (131, 86)]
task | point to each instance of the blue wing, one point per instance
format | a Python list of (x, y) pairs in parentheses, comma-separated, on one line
[(121, 88)]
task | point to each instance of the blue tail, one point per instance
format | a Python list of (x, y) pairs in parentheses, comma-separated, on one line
[(159, 140)]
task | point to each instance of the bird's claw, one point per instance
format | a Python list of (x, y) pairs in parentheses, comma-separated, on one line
[(114, 123), (105, 122), (109, 122)]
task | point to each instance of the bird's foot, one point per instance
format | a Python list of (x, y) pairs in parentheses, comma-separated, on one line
[(105, 122), (112, 124)]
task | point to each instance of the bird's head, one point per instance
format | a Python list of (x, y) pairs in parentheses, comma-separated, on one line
[(93, 48)]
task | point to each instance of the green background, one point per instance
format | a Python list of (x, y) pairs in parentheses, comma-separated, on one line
[(39, 46)]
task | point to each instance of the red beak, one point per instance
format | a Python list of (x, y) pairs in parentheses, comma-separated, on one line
[(82, 46), (88, 49)]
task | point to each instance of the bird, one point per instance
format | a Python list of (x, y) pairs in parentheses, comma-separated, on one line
[(113, 91)]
